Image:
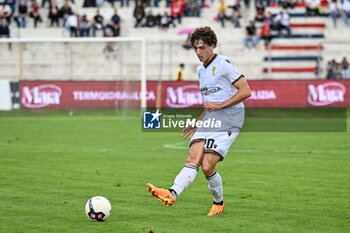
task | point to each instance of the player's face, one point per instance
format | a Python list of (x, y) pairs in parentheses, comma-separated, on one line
[(203, 51)]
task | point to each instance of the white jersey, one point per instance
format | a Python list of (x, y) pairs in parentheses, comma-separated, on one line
[(216, 84)]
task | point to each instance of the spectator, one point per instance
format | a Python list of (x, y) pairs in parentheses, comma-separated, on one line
[(97, 24), (260, 12), (236, 5), (22, 13), (334, 10), (54, 14), (344, 68), (165, 21), (193, 8), (139, 13), (72, 24), (177, 9), (282, 22), (122, 3), (312, 7), (65, 11), (337, 71), (84, 27), (221, 9), (333, 70), (115, 23), (151, 20), (179, 72), (112, 2), (269, 18), (110, 48), (251, 39), (236, 15), (5, 30), (12, 4), (285, 4), (156, 3), (265, 33), (89, 3), (329, 69), (6, 12), (35, 13), (346, 11), (147, 3)]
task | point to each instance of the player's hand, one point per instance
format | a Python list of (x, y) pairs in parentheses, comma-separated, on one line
[(188, 132), (211, 106)]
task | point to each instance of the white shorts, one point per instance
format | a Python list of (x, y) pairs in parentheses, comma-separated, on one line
[(216, 142)]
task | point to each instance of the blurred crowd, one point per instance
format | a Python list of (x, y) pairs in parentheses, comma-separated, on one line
[(177, 8), (338, 9), (59, 15), (63, 13), (264, 26), (338, 70)]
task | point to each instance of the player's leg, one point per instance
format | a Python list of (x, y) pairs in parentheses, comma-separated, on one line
[(189, 172), (214, 182), (216, 148), (185, 177)]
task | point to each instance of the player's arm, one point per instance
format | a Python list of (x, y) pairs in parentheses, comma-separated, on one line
[(189, 131), (243, 92)]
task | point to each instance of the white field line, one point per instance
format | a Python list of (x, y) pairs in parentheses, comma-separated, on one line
[(182, 146)]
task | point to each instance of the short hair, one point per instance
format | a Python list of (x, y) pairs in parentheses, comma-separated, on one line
[(206, 34)]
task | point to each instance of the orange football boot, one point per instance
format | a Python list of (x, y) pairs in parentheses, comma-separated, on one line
[(161, 194), (216, 210)]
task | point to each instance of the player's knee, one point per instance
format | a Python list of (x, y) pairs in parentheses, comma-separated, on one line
[(207, 169), (194, 158), (195, 154)]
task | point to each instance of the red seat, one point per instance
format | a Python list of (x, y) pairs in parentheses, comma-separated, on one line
[(296, 47), (289, 70), (308, 25)]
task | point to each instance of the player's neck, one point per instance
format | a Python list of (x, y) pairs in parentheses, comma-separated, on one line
[(209, 60)]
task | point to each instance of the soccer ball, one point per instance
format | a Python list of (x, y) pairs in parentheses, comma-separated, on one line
[(98, 208)]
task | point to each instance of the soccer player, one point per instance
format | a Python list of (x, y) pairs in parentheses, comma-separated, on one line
[(223, 89)]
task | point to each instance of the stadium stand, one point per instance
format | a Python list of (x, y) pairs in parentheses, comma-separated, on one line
[(311, 44)]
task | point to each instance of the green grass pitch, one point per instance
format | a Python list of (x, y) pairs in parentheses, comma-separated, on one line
[(52, 163)]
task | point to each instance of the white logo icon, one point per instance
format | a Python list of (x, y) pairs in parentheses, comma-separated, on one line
[(326, 93), (183, 96), (41, 96)]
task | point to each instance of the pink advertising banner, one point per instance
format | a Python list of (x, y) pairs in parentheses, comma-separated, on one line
[(184, 94)]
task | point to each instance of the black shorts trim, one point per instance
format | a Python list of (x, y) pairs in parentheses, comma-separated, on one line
[(214, 152), (196, 140)]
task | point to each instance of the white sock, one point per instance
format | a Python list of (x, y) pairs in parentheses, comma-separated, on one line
[(215, 186), (185, 178)]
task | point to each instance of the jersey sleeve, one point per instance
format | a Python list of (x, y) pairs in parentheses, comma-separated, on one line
[(230, 71)]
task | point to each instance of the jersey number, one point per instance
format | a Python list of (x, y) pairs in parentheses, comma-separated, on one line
[(209, 143)]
